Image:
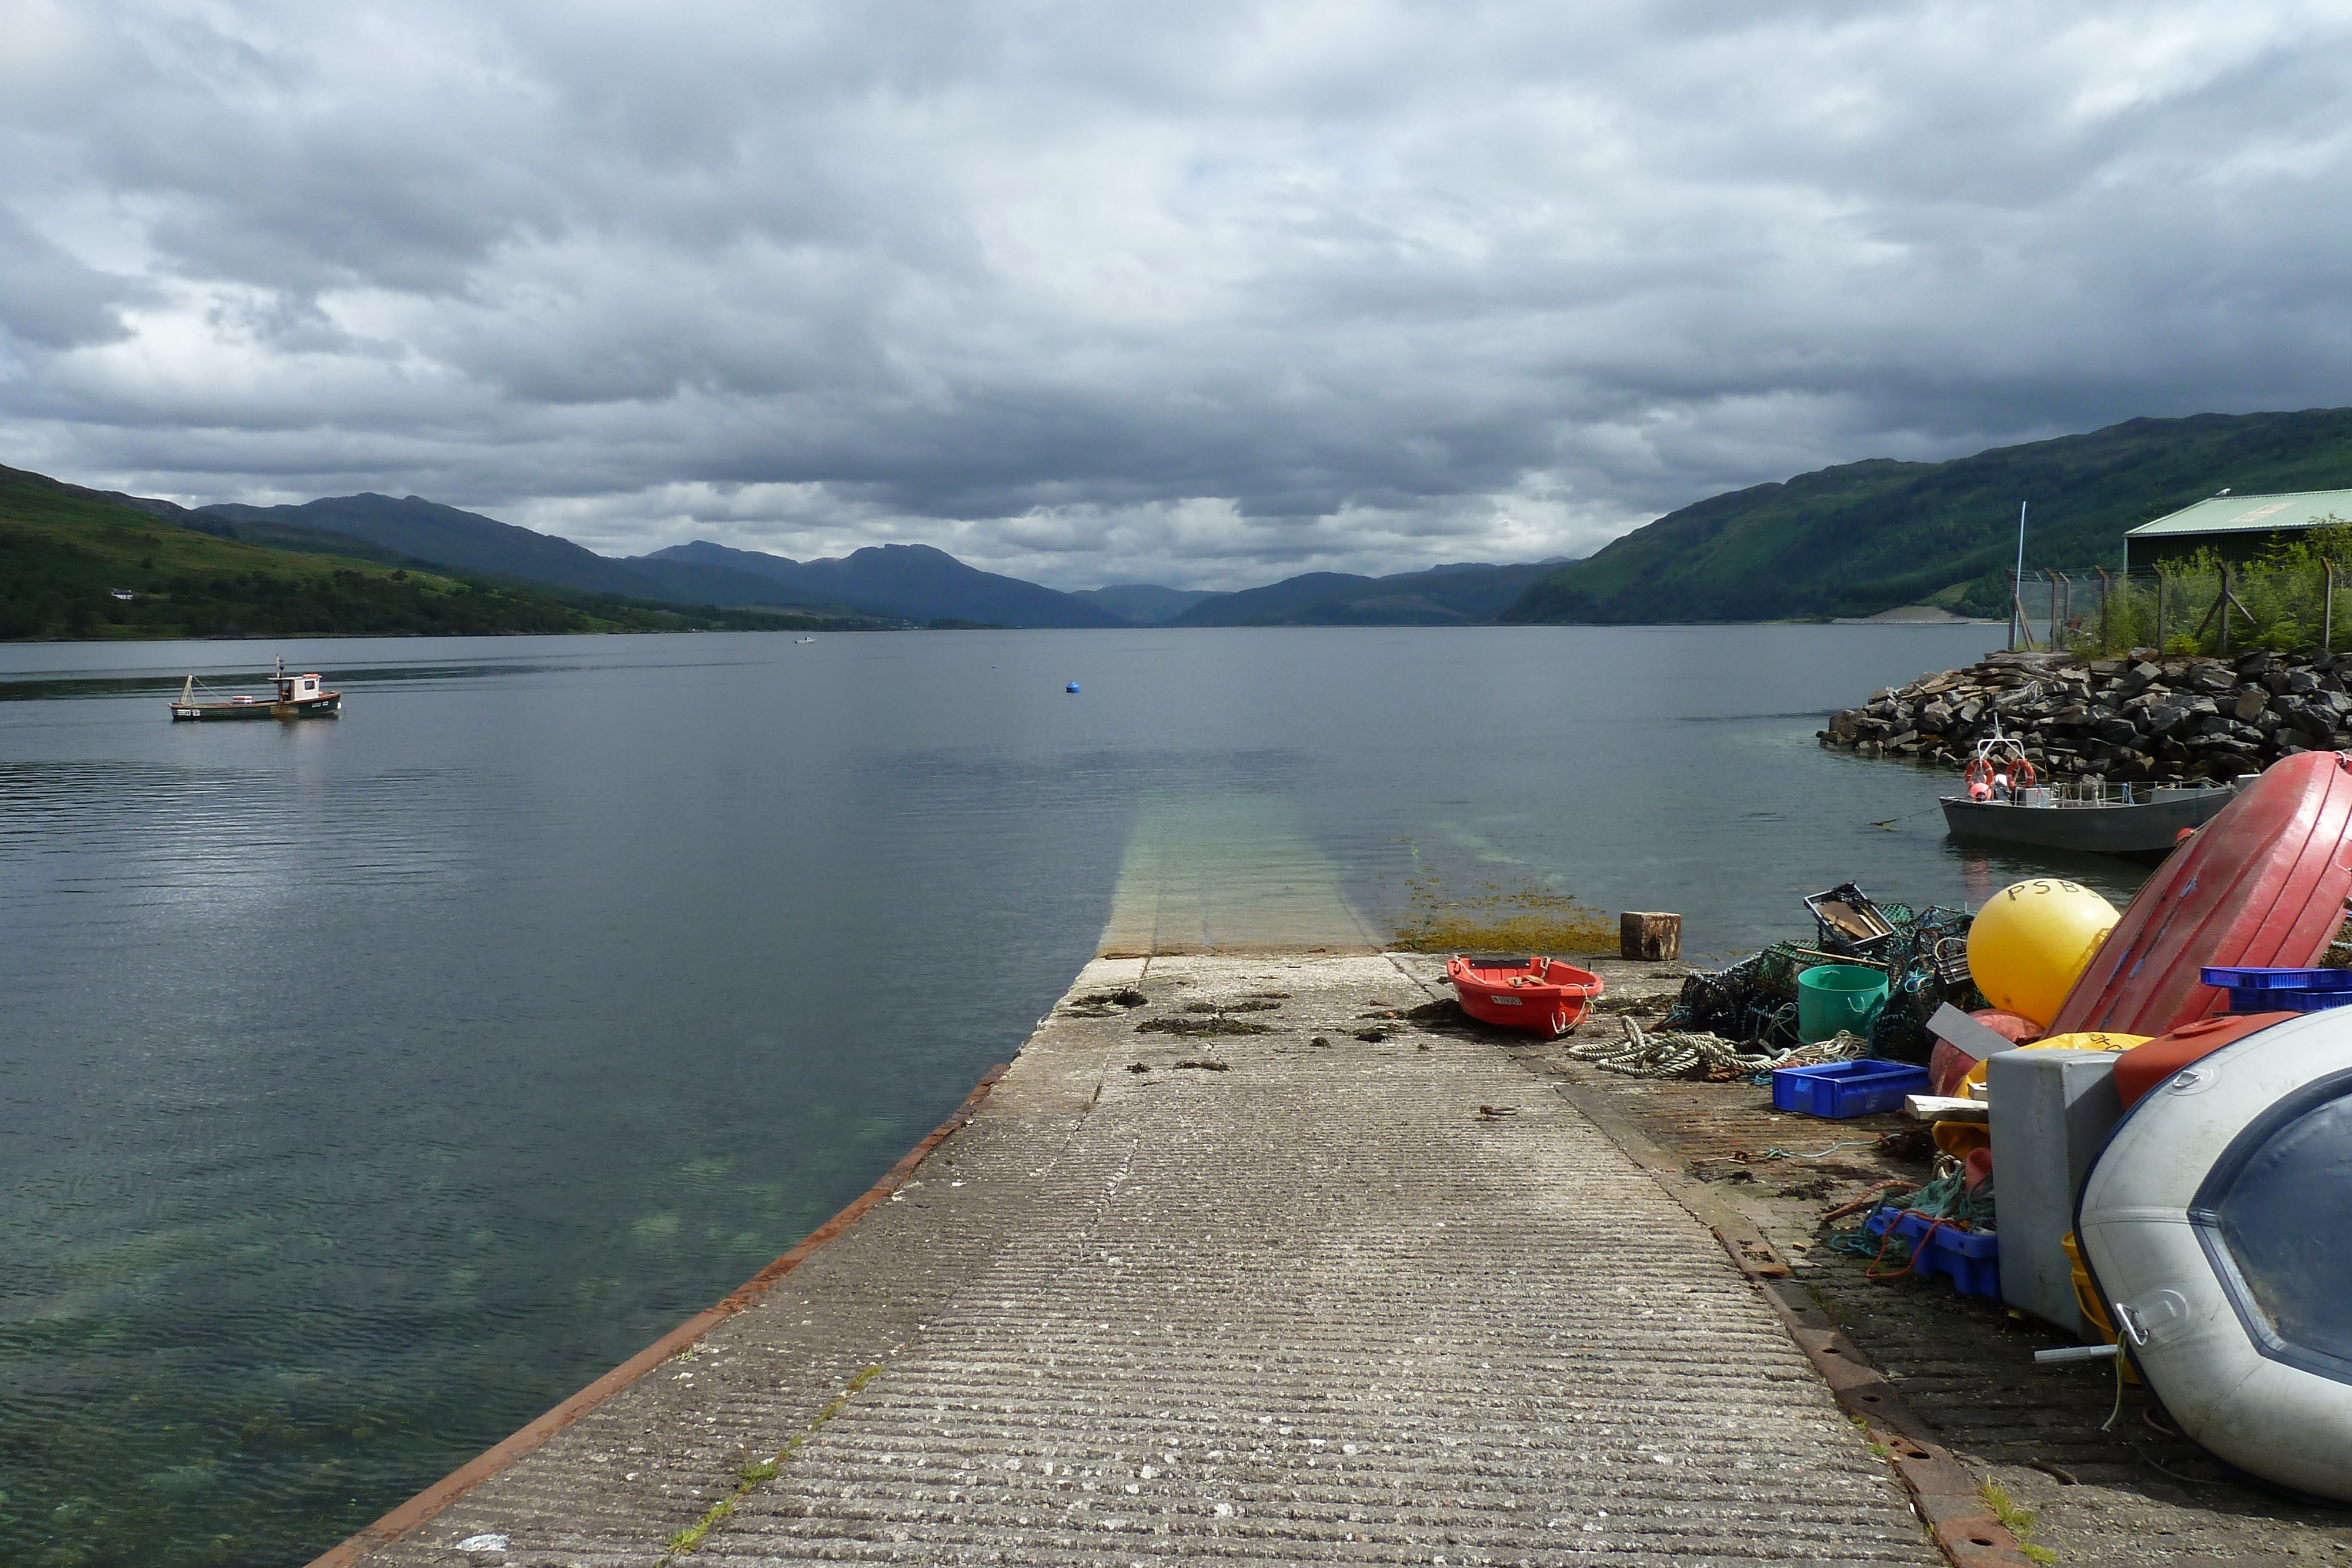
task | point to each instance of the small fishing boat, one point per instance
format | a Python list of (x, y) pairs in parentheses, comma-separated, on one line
[(297, 697), (2004, 800), (1540, 994)]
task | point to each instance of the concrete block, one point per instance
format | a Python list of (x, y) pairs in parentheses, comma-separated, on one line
[(2050, 1113)]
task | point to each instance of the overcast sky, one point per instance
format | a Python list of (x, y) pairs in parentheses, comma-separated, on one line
[(1202, 293)]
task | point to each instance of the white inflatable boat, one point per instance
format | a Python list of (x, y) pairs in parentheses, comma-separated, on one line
[(2218, 1226)]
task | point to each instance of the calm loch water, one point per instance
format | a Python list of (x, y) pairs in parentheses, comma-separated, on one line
[(368, 1085)]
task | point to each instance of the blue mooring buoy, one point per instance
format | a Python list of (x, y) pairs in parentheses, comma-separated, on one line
[(1072, 688)]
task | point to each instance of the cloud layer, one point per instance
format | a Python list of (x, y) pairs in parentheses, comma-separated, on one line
[(1201, 295)]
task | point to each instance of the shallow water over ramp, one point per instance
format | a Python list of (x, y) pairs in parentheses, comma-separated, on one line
[(1230, 872)]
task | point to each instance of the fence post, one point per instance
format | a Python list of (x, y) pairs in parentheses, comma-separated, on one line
[(2016, 607), (2225, 610), (2162, 581), (2106, 637), (2327, 609)]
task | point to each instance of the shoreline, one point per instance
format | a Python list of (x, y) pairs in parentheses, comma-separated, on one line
[(2153, 717), (918, 626)]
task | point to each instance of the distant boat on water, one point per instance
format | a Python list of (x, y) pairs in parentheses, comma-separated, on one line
[(297, 697)]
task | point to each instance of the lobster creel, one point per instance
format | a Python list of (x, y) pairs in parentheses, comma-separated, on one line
[(1540, 994)]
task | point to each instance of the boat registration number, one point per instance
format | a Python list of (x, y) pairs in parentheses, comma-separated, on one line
[(1504, 1001)]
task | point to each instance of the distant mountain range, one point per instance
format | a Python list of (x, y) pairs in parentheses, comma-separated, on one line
[(1470, 594), (1144, 603), (414, 529), (1850, 540), (912, 580), (902, 582)]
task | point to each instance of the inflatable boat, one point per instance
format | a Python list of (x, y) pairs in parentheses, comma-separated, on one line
[(2217, 1225)]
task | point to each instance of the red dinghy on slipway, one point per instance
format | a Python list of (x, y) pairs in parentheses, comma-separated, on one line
[(1541, 995), (2262, 885)]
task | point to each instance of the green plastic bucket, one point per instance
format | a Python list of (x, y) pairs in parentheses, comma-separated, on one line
[(1832, 997)]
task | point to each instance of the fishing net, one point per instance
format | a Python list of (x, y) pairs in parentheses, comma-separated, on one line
[(1753, 1002), (1927, 967), (1948, 1200)]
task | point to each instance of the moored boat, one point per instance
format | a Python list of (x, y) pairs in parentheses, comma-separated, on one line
[(1541, 995), (296, 696), (2100, 819), (2006, 803)]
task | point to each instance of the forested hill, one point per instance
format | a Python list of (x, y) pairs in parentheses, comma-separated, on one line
[(79, 563), (1866, 537)]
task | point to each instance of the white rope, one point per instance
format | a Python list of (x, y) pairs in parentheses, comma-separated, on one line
[(1710, 1056)]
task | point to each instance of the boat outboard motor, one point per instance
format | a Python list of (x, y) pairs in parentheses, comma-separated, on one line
[(2217, 1225)]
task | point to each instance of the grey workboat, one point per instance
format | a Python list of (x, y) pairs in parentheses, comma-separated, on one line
[(2101, 819), (2006, 803), (2092, 817)]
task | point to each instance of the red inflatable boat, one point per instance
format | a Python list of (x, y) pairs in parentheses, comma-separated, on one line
[(2264, 884), (1541, 995)]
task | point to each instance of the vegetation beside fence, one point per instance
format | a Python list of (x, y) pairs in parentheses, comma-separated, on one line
[(2295, 597)]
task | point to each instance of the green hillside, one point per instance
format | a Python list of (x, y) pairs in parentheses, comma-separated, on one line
[(65, 553), (1866, 537), (1448, 596), (1464, 595)]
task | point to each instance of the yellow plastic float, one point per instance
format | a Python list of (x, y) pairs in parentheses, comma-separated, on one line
[(2033, 939)]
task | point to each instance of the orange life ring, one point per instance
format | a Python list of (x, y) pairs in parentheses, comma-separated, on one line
[(1977, 771)]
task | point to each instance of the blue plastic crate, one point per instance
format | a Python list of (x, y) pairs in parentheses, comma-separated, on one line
[(2239, 978), (2255, 999), (1838, 1089), (1969, 1259)]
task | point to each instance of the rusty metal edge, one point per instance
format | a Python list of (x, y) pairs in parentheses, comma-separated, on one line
[(1942, 1490), (428, 1505)]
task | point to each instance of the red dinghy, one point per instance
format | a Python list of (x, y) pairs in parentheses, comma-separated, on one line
[(2263, 885), (1542, 994)]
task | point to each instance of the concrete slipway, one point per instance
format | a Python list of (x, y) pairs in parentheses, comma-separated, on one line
[(1349, 1300), (1326, 1299)]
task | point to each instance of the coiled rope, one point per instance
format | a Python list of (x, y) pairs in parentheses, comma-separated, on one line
[(1710, 1057)]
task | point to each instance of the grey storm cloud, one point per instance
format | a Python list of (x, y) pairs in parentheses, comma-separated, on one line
[(1201, 294)]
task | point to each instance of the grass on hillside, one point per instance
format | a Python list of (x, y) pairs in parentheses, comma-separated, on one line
[(1865, 537), (67, 560)]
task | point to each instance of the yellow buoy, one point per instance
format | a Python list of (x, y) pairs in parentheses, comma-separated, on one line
[(2031, 941)]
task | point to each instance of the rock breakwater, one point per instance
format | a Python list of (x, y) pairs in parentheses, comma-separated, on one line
[(2150, 717)]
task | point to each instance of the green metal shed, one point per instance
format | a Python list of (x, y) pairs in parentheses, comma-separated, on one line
[(2236, 528)]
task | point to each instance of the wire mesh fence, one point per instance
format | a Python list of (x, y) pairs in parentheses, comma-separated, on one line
[(2206, 607)]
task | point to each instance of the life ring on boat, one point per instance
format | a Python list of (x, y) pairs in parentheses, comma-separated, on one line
[(2021, 775), (1978, 777)]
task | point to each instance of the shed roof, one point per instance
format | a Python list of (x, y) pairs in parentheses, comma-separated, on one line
[(2251, 514)]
